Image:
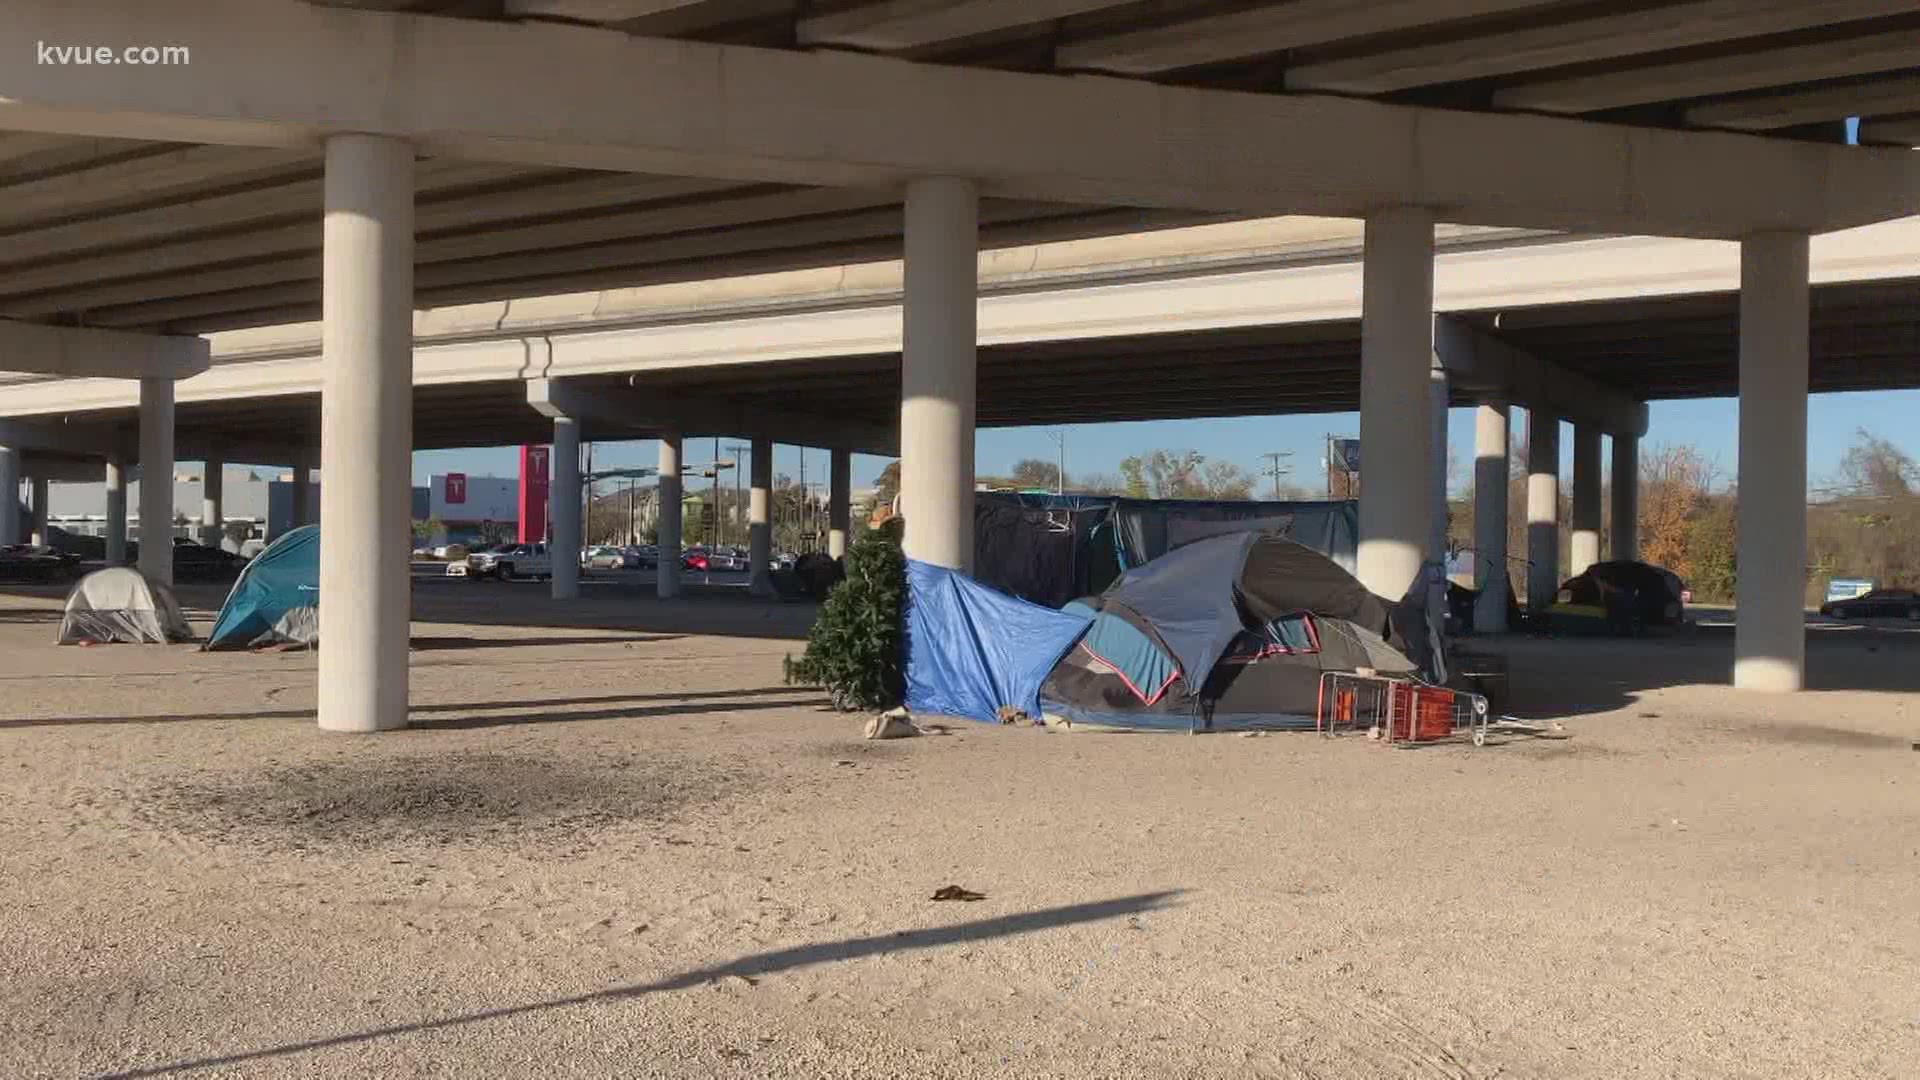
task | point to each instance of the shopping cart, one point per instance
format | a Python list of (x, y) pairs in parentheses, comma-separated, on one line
[(1399, 710)]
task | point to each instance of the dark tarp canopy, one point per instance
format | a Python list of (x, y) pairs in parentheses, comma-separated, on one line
[(1052, 548)]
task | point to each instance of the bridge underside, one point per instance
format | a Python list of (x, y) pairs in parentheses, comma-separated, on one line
[(1865, 336)]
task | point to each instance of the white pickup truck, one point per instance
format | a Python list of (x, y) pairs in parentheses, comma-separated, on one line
[(504, 562)]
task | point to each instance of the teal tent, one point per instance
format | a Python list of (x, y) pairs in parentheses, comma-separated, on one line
[(276, 599)]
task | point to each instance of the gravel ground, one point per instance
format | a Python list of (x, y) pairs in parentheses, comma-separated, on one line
[(614, 845)]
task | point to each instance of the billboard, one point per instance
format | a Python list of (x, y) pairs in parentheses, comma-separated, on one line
[(535, 477), (462, 498)]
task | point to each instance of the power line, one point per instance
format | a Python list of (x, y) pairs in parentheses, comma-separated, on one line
[(1275, 469)]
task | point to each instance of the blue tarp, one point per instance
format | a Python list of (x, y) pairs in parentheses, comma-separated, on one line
[(971, 649), (283, 578)]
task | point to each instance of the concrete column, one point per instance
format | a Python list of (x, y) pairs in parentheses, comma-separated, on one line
[(1491, 467), (667, 579), (156, 479), (1543, 507), (116, 510), (1770, 637), (300, 495), (760, 519), (212, 513), (1626, 497), (839, 502), (1584, 549), (937, 370), (40, 493), (9, 495), (366, 433), (563, 508), (1396, 361), (1437, 403)]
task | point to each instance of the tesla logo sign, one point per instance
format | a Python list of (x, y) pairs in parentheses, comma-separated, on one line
[(456, 488)]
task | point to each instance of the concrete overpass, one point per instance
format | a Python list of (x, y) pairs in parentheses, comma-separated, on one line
[(177, 199)]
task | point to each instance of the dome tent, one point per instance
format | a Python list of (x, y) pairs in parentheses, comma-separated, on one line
[(121, 605), (1229, 632), (276, 599)]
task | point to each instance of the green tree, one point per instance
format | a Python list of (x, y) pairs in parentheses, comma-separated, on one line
[(856, 649), (886, 487), (1713, 551)]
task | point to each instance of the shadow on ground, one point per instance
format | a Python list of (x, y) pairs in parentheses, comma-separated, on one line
[(1573, 676), (478, 714), (748, 968)]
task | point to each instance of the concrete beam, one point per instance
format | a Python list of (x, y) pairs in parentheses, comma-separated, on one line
[(1577, 41), (297, 195), (1268, 29), (545, 241), (693, 415), (64, 470), (57, 436), (595, 11), (1881, 97), (1478, 360), (1901, 131), (288, 75), (143, 177), (490, 208), (910, 24), (105, 354), (1719, 75)]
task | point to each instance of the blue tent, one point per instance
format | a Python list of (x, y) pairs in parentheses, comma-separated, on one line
[(971, 649), (276, 598)]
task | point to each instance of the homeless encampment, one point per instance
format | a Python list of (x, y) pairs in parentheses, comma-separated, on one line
[(1052, 548), (120, 604), (276, 600), (1231, 632)]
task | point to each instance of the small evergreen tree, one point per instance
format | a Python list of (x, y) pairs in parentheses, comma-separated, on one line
[(856, 649)]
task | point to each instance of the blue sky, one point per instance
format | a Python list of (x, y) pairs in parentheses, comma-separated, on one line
[(1709, 425)]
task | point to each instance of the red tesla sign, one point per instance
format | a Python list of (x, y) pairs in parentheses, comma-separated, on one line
[(456, 488)]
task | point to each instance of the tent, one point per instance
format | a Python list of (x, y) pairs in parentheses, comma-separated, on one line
[(276, 598), (972, 650), (1228, 632), (119, 604)]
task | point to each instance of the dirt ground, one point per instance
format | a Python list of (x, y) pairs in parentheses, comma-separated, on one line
[(613, 844)]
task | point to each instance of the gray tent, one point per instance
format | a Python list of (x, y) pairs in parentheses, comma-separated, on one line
[(119, 604)]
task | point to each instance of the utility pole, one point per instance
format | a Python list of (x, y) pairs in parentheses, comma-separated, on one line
[(739, 499), (1060, 467), (1275, 469)]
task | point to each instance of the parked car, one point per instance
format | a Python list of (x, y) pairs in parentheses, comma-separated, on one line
[(1620, 597), (503, 562), (646, 556), (606, 558), (727, 559), (197, 562), (696, 559), (27, 562), (1878, 604)]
